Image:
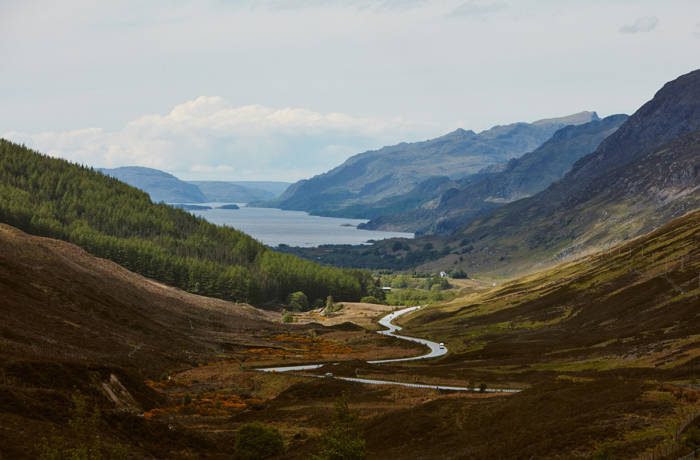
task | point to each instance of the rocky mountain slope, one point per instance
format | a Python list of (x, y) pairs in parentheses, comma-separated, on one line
[(519, 178), (357, 186), (640, 177)]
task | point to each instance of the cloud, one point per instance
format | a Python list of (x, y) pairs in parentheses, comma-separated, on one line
[(696, 33), (474, 8), (208, 138), (645, 24)]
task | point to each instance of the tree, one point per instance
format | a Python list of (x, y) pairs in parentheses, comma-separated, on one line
[(343, 439), (297, 301), (255, 441), (55, 198)]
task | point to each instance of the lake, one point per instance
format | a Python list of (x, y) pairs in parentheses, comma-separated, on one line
[(294, 228)]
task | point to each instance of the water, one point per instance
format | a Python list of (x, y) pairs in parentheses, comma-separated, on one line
[(293, 228)]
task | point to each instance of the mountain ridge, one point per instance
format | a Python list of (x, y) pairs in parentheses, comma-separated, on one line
[(353, 188), (454, 203)]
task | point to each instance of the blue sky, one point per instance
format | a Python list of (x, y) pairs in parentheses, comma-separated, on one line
[(286, 89)]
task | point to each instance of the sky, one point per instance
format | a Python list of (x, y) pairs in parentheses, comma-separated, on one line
[(283, 90)]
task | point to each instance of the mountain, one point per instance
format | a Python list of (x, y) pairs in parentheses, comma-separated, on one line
[(274, 187), (161, 186), (357, 186), (641, 176), (51, 197), (240, 192), (166, 188), (521, 177)]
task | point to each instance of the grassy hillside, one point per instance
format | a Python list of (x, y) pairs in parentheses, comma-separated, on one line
[(607, 350), (635, 305), (75, 324), (52, 197)]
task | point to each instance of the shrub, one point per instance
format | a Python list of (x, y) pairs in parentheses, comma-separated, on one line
[(370, 299), (297, 301), (82, 440), (342, 440), (287, 318), (256, 441)]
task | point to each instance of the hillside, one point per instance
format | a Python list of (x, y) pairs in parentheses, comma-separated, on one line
[(605, 348), (519, 178), (71, 320), (642, 295), (51, 197), (357, 186), (160, 186)]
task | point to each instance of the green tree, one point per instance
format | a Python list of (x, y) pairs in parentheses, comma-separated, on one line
[(55, 198), (255, 441), (297, 301), (343, 439)]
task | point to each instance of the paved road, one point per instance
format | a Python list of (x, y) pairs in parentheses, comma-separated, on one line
[(435, 350)]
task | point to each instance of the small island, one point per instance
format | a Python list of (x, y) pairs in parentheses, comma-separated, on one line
[(229, 206), (191, 207)]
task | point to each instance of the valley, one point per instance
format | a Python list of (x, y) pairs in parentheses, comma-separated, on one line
[(525, 291)]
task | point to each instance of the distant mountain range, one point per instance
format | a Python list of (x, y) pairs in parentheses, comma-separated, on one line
[(447, 205), (641, 176), (164, 187), (387, 180), (160, 185), (241, 191)]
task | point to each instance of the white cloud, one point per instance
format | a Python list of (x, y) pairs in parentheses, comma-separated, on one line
[(208, 138), (645, 24), (474, 8)]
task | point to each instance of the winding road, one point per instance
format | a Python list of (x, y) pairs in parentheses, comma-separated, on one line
[(435, 350)]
